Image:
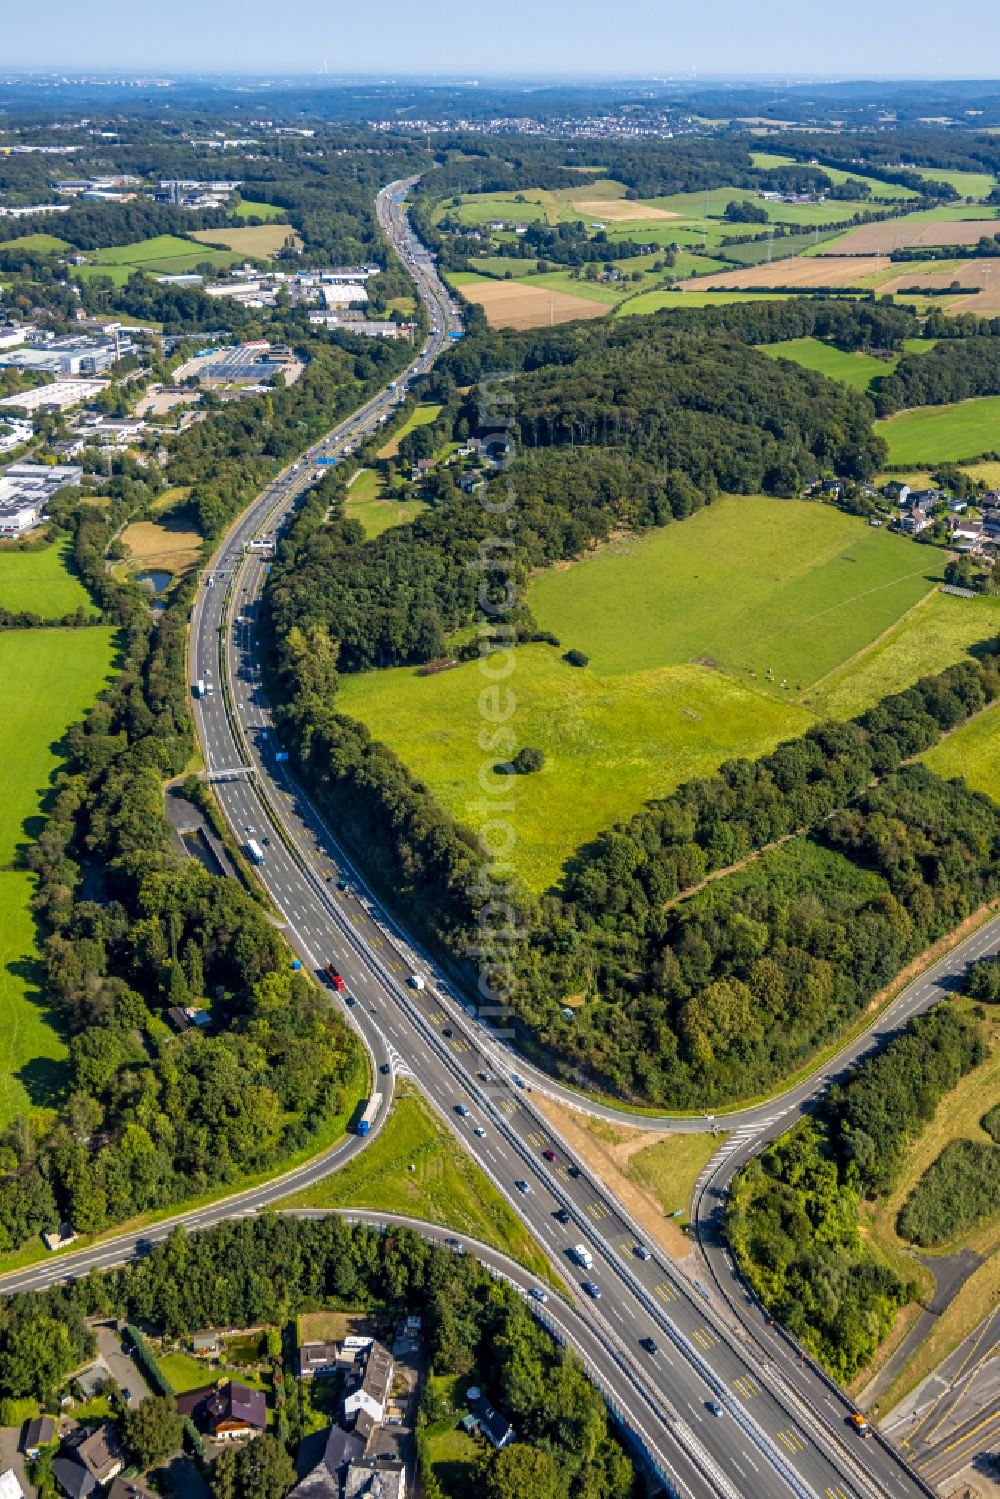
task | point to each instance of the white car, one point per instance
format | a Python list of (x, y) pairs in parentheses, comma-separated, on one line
[(416, 982)]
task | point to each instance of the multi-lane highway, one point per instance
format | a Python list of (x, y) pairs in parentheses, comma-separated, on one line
[(719, 1409)]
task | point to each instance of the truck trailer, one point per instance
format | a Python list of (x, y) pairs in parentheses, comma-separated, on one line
[(370, 1114)]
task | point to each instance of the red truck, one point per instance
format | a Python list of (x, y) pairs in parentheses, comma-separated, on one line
[(334, 977)]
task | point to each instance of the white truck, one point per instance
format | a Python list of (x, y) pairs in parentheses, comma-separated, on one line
[(254, 851), (583, 1256), (199, 687)]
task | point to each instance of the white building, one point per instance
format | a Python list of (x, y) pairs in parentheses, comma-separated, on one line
[(24, 489), (9, 1486), (59, 396)]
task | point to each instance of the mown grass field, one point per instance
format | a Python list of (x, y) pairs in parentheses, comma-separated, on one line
[(678, 674), (854, 369), (445, 1187), (937, 632), (656, 301), (162, 254), (365, 504), (32, 1045), (955, 433), (421, 416), (48, 679), (610, 744), (750, 584), (43, 243), (42, 581), (249, 209)]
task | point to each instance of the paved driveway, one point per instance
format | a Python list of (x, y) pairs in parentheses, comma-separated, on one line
[(122, 1369)]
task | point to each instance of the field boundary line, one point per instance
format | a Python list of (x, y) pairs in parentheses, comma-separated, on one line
[(872, 644)]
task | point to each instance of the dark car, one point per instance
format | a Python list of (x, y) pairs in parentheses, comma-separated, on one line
[(562, 1216), (549, 1155), (574, 1171), (648, 1343), (592, 1290), (385, 1069), (447, 1031)]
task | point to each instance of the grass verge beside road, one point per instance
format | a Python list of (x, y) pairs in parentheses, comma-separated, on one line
[(444, 1186)]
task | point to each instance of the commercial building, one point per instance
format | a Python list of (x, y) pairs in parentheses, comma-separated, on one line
[(71, 354), (61, 395), (24, 490)]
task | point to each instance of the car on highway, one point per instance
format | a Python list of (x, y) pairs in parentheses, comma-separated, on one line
[(562, 1215), (715, 1408), (592, 1289), (385, 1069), (641, 1252), (455, 1244), (485, 1077), (549, 1155), (538, 1294), (415, 981), (574, 1171), (523, 1187), (461, 1110), (448, 1032), (649, 1344), (480, 1131), (518, 1081)]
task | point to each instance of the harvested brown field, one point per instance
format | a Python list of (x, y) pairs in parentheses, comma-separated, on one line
[(510, 304), (800, 271), (159, 544), (620, 210), (896, 234), (983, 273), (258, 240)]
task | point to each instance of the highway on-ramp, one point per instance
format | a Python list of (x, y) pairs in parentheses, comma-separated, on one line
[(717, 1411)]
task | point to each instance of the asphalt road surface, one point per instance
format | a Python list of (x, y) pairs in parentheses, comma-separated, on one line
[(779, 1428)]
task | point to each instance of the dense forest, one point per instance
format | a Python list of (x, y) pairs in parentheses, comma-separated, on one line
[(266, 1270), (793, 1215)]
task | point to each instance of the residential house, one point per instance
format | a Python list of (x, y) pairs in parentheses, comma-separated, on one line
[(968, 537), (897, 492), (421, 469), (914, 523), (226, 1412), (494, 1426), (90, 1382), (203, 1344), (369, 1390), (925, 499), (39, 1433), (957, 507), (87, 1460), (317, 1358), (471, 481), (373, 1478)]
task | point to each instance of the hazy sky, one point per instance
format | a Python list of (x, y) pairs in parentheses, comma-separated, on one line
[(646, 38)]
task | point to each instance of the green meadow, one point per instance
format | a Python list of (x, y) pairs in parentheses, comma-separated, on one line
[(853, 369), (366, 504), (42, 581), (943, 434), (246, 209), (48, 680), (973, 751), (721, 625)]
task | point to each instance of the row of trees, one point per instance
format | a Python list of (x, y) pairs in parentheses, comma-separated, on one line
[(793, 1215), (265, 1270)]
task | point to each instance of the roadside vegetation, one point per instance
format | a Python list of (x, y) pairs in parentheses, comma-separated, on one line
[(416, 1167)]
